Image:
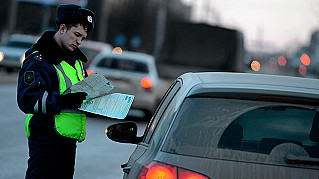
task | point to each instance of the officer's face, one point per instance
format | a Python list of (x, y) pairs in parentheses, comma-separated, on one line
[(73, 37)]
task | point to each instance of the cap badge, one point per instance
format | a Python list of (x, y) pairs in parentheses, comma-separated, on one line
[(90, 19)]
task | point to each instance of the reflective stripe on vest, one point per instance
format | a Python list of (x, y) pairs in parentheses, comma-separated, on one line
[(70, 123)]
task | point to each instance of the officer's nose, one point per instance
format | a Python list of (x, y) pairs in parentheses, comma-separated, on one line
[(78, 41)]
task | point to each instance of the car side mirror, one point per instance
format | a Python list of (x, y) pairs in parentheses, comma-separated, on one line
[(125, 132)]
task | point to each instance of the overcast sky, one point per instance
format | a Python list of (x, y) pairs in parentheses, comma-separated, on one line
[(283, 22)]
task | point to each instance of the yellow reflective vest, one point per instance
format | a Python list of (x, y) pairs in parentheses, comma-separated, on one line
[(70, 123)]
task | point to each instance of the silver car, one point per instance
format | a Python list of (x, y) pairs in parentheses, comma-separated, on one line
[(133, 73), (13, 49), (228, 125), (92, 48)]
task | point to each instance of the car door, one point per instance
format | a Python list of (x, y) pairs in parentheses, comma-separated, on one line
[(131, 171)]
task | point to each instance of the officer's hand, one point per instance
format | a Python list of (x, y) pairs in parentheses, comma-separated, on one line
[(73, 100)]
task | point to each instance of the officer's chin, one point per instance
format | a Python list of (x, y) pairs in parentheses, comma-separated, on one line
[(72, 49)]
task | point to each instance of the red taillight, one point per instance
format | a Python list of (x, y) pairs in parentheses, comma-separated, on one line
[(90, 72), (156, 170), (185, 174), (146, 83)]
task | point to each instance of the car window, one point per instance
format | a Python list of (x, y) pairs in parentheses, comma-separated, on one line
[(123, 64), (171, 92), (203, 124), (274, 125)]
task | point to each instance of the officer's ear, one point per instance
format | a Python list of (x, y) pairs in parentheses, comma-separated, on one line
[(62, 28)]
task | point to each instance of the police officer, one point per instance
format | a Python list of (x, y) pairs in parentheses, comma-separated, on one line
[(52, 65)]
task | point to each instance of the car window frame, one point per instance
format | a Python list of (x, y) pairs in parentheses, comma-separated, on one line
[(168, 97)]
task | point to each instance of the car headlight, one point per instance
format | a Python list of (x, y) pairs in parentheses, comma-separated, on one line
[(1, 56), (22, 59)]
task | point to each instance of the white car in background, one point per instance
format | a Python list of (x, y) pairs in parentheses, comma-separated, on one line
[(133, 73), (12, 50), (92, 48)]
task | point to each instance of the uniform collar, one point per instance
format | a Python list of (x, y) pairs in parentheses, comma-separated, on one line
[(53, 53)]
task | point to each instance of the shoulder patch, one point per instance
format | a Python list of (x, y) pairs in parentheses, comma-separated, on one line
[(29, 77)]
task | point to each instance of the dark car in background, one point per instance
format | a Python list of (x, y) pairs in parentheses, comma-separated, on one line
[(12, 51), (228, 125)]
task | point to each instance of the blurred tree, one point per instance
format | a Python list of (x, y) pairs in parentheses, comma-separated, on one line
[(4, 11)]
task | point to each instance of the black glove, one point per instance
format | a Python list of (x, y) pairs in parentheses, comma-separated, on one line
[(73, 100)]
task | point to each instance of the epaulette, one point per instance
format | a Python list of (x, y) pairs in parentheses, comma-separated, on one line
[(36, 56)]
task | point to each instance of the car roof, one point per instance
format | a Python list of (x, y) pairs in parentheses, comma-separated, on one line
[(143, 57), (23, 38), (249, 83), (97, 45)]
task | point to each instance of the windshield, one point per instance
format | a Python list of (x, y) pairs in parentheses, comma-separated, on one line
[(204, 124), (123, 64)]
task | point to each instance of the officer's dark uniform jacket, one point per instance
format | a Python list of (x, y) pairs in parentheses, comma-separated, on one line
[(38, 86)]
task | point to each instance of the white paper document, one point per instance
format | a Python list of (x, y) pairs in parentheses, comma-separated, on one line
[(98, 101), (94, 85), (115, 105)]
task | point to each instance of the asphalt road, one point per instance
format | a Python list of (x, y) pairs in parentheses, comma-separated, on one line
[(97, 157)]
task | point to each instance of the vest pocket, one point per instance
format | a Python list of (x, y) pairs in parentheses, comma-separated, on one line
[(71, 125)]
